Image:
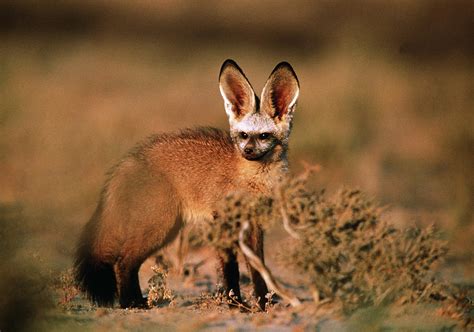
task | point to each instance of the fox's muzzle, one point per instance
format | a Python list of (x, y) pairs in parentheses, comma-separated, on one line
[(251, 153)]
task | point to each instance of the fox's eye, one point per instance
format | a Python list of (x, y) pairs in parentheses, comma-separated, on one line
[(244, 135), (263, 135)]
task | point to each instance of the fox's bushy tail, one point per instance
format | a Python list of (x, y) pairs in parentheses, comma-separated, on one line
[(94, 277)]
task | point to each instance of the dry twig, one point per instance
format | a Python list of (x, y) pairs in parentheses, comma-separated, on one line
[(258, 265)]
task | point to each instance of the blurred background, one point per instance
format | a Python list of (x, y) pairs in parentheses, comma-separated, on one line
[(386, 103)]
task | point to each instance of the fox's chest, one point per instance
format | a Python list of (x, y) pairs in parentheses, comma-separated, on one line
[(259, 185), (200, 203), (262, 180)]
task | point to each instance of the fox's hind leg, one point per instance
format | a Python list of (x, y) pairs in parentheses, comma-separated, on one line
[(128, 285), (143, 215), (230, 273)]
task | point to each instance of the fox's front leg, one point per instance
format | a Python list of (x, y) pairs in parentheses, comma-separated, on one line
[(255, 242), (230, 273)]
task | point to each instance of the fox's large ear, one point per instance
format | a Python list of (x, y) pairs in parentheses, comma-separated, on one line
[(280, 93), (238, 94)]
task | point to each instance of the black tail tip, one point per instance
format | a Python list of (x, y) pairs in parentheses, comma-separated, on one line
[(97, 281)]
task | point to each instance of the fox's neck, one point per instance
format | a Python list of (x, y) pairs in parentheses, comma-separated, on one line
[(261, 176)]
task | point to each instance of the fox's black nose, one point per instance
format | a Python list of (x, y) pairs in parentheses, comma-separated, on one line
[(248, 150)]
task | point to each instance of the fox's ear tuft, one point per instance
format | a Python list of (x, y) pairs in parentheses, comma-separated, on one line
[(280, 92), (238, 94)]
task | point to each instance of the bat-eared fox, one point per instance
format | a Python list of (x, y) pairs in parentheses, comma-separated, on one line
[(173, 179)]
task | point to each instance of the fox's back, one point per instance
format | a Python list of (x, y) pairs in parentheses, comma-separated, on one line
[(199, 163)]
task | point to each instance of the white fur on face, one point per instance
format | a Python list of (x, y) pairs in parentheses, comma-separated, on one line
[(254, 123)]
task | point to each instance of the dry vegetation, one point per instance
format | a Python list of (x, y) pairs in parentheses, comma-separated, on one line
[(386, 106), (349, 255)]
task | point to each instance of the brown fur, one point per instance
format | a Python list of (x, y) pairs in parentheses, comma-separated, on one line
[(167, 181), (162, 184)]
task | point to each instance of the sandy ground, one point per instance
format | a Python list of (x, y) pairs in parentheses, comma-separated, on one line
[(196, 307)]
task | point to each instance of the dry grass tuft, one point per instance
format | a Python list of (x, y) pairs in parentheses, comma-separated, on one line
[(65, 286), (158, 291)]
